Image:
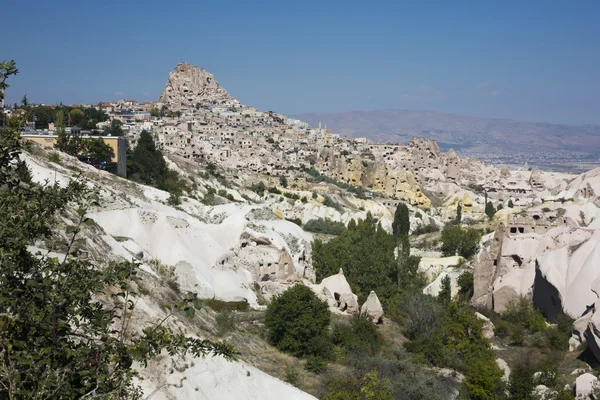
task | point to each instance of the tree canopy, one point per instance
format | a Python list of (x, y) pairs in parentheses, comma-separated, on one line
[(401, 224), (365, 252), (297, 322)]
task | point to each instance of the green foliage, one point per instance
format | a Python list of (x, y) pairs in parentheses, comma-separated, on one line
[(316, 364), (459, 213), (510, 203), (225, 306), (114, 128), (146, 164), (461, 241), (429, 228), (314, 195), (401, 223), (297, 322), (409, 278), (274, 190), (445, 294), (97, 149), (259, 188), (465, 285), (489, 209), (54, 157), (524, 324), (329, 202), (361, 336), (211, 169), (174, 200), (296, 221), (370, 387), (57, 339), (283, 181), (454, 340), (365, 251), (225, 322), (521, 382), (324, 226), (291, 375)]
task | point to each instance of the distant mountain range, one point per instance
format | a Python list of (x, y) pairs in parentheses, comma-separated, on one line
[(464, 134)]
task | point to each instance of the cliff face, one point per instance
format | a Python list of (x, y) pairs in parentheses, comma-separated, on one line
[(189, 85)]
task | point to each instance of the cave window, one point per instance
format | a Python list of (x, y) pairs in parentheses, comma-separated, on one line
[(513, 230), (521, 230)]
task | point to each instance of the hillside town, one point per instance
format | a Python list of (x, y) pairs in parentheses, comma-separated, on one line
[(221, 203)]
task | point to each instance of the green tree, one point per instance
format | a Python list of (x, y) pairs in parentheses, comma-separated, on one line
[(409, 278), (69, 144), (445, 294), (489, 209), (297, 322), (77, 117), (146, 162), (283, 181), (459, 213), (114, 129), (522, 382), (456, 240), (7, 68), (97, 149), (465, 285), (510, 203), (365, 251), (24, 101), (370, 387), (155, 112), (401, 224), (57, 339)]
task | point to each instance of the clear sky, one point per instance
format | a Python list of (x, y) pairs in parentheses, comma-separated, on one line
[(527, 59)]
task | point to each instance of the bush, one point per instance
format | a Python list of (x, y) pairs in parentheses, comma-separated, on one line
[(429, 228), (324, 226), (273, 190), (466, 286), (174, 200), (225, 322), (329, 202), (296, 221), (221, 306), (458, 240), (258, 188), (291, 375), (297, 320), (316, 364), (54, 157), (521, 383), (315, 195), (361, 336)]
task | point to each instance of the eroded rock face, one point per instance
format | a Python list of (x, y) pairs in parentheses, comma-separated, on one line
[(188, 85), (372, 308), (336, 291), (488, 326), (585, 385)]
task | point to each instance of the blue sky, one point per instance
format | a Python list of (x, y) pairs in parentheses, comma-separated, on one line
[(527, 60)]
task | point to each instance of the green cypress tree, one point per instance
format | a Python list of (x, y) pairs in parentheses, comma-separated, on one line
[(445, 294), (510, 203), (401, 224), (459, 213), (489, 209)]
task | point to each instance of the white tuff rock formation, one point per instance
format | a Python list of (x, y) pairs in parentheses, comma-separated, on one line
[(372, 308), (188, 85)]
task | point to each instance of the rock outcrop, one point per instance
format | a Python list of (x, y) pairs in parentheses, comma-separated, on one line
[(189, 85), (336, 291), (373, 309), (585, 385)]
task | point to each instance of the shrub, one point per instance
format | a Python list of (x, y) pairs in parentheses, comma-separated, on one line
[(521, 382), (429, 228), (283, 181), (315, 195), (316, 364), (329, 202), (222, 306), (225, 322), (296, 319), (174, 200), (291, 375), (296, 221), (361, 336), (258, 188), (324, 226), (54, 157), (458, 240), (466, 286), (274, 190)]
